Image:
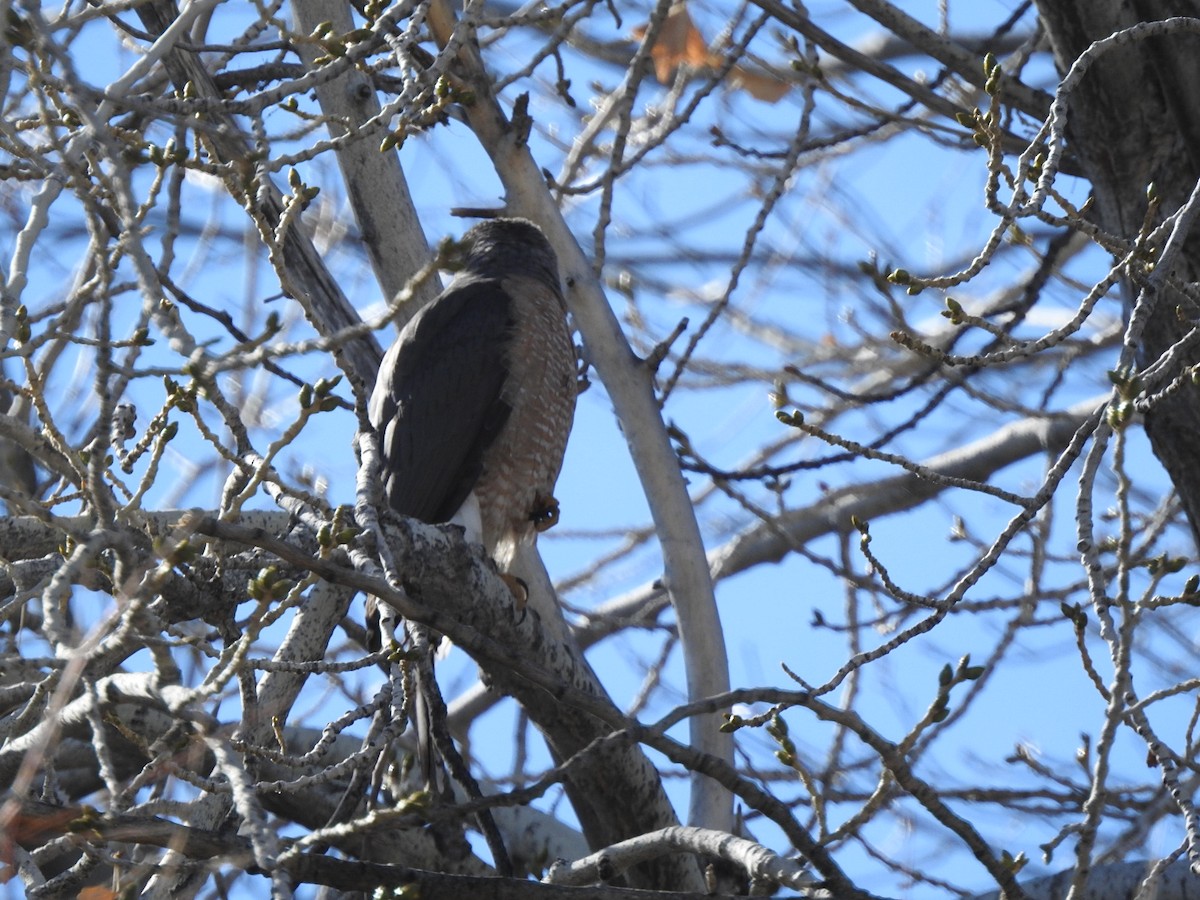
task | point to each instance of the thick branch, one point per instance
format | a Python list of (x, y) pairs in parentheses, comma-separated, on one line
[(375, 183)]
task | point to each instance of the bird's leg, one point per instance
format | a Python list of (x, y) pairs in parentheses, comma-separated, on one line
[(519, 590)]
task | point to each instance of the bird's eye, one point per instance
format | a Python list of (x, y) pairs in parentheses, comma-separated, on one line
[(545, 515)]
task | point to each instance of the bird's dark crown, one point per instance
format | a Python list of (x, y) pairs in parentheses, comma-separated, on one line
[(505, 246)]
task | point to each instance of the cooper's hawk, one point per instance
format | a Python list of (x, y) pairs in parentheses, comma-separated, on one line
[(474, 401), (473, 404)]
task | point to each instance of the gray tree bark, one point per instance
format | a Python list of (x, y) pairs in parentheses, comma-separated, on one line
[(1134, 120)]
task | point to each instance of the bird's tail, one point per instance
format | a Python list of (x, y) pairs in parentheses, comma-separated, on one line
[(438, 760), (437, 757), (427, 709)]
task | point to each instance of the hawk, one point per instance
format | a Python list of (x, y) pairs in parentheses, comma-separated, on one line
[(475, 399)]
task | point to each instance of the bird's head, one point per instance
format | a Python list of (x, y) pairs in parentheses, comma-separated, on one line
[(500, 247)]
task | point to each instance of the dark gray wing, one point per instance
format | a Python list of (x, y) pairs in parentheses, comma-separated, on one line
[(437, 403)]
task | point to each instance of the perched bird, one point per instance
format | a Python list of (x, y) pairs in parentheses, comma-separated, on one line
[(474, 400), (473, 404)]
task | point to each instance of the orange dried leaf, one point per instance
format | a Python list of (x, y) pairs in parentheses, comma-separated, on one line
[(679, 43), (29, 828), (759, 85)]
